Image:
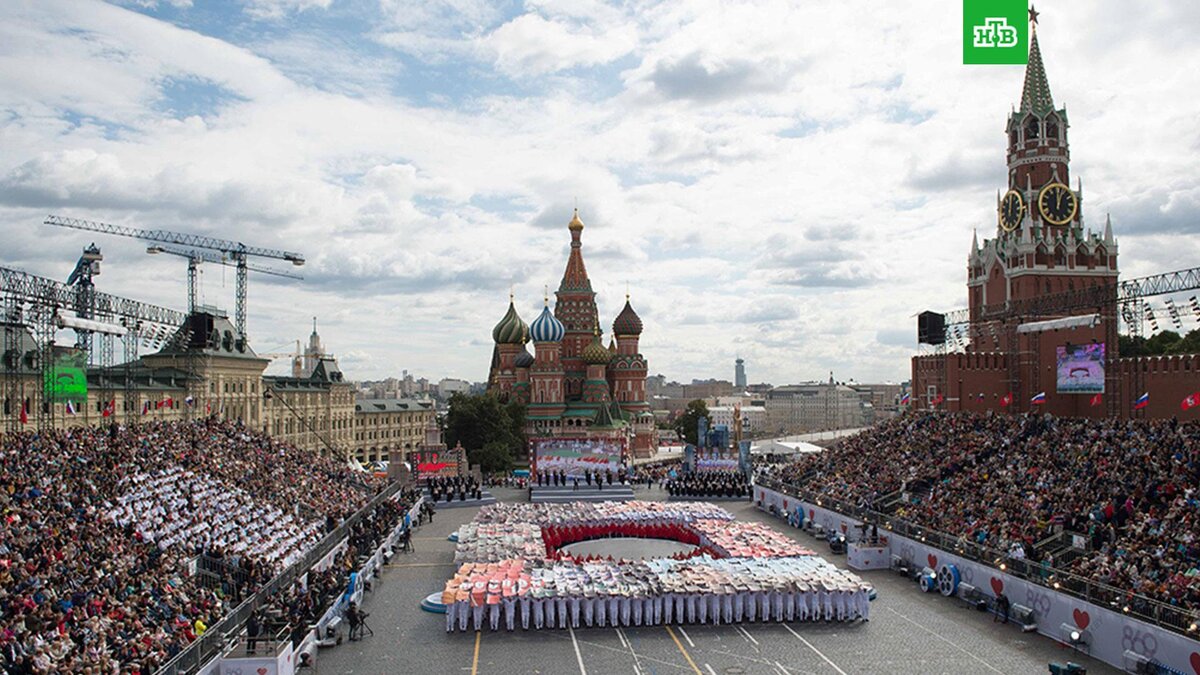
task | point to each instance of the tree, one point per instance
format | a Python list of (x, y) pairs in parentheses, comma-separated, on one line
[(685, 424), (1160, 344), (492, 458), (487, 428)]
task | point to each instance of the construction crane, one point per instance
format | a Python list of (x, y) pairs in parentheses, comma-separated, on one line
[(196, 257), (234, 249), (86, 267)]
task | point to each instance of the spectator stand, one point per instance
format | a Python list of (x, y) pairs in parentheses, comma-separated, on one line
[(1056, 598), (204, 654)]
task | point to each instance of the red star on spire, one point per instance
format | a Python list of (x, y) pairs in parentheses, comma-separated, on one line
[(1033, 15)]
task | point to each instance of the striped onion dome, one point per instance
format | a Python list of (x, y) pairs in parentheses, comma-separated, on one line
[(546, 328), (511, 330), (627, 322)]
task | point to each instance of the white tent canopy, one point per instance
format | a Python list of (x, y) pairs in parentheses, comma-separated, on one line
[(776, 447)]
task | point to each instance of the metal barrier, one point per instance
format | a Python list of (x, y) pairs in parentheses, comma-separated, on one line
[(1152, 611), (218, 637)]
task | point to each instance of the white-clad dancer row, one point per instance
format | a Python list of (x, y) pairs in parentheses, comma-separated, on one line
[(700, 591)]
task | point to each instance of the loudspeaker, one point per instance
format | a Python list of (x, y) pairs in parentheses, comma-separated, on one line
[(931, 328)]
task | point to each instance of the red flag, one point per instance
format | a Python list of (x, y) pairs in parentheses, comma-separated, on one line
[(1191, 401), (146, 408), (1006, 400), (170, 402), (1097, 400), (937, 399), (24, 414), (108, 408)]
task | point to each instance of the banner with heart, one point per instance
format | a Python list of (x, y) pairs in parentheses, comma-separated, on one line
[(932, 560), (997, 586), (1082, 618)]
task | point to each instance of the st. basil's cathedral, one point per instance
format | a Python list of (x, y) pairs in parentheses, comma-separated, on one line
[(574, 386)]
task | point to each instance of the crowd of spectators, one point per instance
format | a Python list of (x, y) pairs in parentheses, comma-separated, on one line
[(101, 528), (1010, 481), (306, 600)]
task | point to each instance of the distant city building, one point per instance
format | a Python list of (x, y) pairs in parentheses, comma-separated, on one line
[(388, 429), (754, 418), (313, 353), (884, 399), (816, 406), (702, 389), (739, 374), (449, 386)]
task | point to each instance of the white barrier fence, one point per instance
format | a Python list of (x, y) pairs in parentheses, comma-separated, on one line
[(1110, 636), (287, 661), (367, 571)]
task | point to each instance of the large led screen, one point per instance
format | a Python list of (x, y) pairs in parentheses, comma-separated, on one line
[(1081, 369), (577, 457)]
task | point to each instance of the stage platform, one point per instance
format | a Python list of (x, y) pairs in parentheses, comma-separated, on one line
[(586, 493), (487, 498), (685, 498)]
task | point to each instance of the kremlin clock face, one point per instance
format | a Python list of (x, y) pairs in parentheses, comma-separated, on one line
[(1057, 204), (1012, 209)]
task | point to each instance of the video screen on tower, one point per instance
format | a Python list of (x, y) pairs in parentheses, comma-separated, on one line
[(577, 457), (1081, 368)]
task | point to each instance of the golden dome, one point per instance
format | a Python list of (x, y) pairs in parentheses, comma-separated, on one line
[(576, 223)]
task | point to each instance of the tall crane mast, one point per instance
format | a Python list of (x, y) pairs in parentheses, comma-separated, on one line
[(86, 267), (234, 249), (196, 257)]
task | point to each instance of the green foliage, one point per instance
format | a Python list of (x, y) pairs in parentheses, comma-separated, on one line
[(493, 457), (491, 431), (1159, 344), (685, 424)]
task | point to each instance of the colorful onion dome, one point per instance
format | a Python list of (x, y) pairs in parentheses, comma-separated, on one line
[(596, 353), (627, 322), (546, 328), (511, 330), (524, 359)]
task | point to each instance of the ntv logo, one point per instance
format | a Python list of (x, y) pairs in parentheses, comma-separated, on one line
[(994, 31)]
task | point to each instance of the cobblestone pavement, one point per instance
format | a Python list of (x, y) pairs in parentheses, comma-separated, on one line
[(909, 631)]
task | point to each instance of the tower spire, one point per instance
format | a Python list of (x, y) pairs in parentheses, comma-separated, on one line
[(1035, 95)]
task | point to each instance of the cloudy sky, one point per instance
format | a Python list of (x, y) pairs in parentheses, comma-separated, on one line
[(790, 182)]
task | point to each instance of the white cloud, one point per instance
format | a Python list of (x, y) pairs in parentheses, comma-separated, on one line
[(782, 181), (276, 9), (531, 45)]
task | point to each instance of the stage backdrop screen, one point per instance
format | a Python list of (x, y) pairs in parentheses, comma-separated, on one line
[(1081, 369), (576, 457)]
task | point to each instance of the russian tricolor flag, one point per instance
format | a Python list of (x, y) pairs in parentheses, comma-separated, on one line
[(1142, 401), (1039, 399), (905, 398)]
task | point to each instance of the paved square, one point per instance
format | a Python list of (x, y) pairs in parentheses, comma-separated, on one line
[(909, 631)]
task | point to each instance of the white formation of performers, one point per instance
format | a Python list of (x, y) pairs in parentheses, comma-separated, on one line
[(505, 579)]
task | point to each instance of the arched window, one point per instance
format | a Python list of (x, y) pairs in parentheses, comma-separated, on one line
[(1032, 130), (1052, 128)]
